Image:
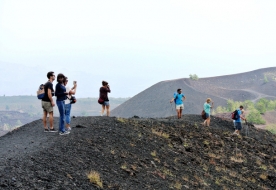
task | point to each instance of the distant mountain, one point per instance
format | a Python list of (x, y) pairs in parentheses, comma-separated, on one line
[(154, 101)]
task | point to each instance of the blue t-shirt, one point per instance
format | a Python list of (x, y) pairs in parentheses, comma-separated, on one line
[(178, 98), (239, 116), (207, 108)]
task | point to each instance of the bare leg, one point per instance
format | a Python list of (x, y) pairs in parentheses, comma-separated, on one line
[(44, 119), (208, 121), (180, 114), (51, 120), (103, 108), (107, 111)]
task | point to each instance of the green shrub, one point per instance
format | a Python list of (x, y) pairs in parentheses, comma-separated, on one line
[(262, 105), (271, 105), (271, 128), (233, 105), (221, 109), (255, 117), (266, 79), (193, 77)]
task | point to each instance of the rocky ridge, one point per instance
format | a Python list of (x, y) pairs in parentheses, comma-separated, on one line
[(139, 153)]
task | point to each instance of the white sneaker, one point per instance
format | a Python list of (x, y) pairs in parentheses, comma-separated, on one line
[(64, 133)]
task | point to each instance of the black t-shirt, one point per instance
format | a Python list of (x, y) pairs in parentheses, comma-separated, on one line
[(48, 85)]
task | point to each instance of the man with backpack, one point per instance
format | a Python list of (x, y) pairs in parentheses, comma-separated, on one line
[(48, 103), (237, 116), (178, 98)]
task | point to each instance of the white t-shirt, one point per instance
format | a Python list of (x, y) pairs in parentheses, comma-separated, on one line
[(67, 101)]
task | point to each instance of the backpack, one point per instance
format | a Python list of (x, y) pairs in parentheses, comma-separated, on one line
[(41, 92), (235, 115), (203, 114), (73, 100)]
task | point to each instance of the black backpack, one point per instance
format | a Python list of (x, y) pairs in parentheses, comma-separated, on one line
[(235, 115)]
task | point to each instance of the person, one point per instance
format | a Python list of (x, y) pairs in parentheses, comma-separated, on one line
[(234, 121), (238, 124), (104, 90), (61, 95), (178, 98), (207, 108), (47, 103), (70, 91)]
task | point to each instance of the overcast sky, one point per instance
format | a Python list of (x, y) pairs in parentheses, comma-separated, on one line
[(134, 44)]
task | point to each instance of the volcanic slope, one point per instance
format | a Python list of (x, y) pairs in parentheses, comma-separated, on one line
[(138, 153), (154, 101)]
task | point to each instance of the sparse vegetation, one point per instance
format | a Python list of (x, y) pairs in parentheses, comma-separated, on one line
[(193, 77), (265, 79), (95, 178)]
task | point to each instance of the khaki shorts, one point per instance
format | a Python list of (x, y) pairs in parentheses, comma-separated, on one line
[(47, 106), (179, 107)]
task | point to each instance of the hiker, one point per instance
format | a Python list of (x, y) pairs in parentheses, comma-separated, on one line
[(61, 95), (47, 103), (238, 124), (70, 91), (234, 121), (178, 98), (104, 96), (207, 108)]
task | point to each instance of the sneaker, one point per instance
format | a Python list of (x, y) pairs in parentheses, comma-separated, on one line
[(64, 133), (68, 129), (53, 130), (46, 130)]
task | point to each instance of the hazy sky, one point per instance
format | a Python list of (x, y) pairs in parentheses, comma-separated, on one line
[(134, 44)]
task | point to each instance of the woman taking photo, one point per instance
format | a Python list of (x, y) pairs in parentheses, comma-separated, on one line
[(103, 95), (61, 95), (207, 108), (68, 104)]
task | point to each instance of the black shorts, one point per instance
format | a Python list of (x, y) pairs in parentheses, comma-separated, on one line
[(238, 125)]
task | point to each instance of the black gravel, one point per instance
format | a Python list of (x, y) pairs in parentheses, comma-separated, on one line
[(138, 153)]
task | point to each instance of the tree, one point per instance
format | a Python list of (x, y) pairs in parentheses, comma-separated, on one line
[(193, 77)]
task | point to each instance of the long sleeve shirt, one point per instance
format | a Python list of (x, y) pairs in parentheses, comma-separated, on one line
[(60, 92)]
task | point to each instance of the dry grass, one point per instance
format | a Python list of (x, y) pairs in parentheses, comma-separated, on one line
[(167, 172), (185, 178), (263, 176), (263, 167), (235, 159), (212, 155), (160, 134), (95, 178), (121, 120), (153, 153), (178, 185), (124, 166)]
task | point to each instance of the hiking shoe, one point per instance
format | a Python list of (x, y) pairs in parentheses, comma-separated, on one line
[(53, 130), (46, 130), (68, 129), (64, 133)]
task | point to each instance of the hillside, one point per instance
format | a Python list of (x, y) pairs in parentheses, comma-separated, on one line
[(16, 111), (154, 101), (138, 154)]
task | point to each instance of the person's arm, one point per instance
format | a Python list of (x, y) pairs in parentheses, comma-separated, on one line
[(243, 118), (108, 89), (211, 106), (51, 97), (73, 90), (184, 97), (174, 96)]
